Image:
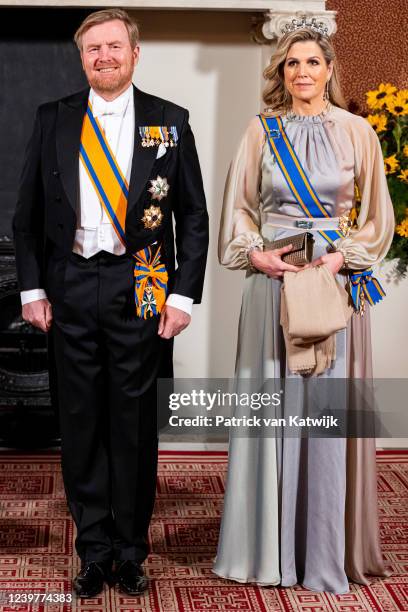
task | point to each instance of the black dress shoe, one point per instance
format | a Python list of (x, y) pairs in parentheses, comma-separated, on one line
[(90, 579), (130, 578)]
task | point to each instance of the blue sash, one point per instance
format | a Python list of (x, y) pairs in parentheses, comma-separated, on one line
[(363, 284)]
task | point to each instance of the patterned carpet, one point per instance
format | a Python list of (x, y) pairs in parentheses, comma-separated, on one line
[(36, 542)]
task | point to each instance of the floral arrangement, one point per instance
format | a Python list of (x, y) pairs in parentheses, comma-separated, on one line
[(389, 118)]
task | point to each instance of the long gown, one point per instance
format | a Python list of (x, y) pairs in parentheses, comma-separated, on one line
[(302, 510)]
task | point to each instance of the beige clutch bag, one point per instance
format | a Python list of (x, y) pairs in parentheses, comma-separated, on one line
[(302, 248)]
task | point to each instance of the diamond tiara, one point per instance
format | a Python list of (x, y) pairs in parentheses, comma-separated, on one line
[(312, 24)]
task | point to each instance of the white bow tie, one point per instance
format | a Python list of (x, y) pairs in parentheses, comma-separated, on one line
[(101, 107)]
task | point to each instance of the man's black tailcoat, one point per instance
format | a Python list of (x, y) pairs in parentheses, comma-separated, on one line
[(45, 219), (107, 358)]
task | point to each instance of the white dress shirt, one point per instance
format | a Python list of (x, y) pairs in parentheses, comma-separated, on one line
[(94, 231)]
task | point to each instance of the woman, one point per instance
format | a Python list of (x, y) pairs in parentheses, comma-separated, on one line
[(302, 510)]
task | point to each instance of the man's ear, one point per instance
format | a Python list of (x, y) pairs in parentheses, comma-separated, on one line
[(136, 54)]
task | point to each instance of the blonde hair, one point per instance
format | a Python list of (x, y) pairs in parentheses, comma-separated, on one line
[(108, 15), (275, 94)]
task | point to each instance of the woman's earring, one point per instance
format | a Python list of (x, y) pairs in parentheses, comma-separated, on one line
[(326, 92)]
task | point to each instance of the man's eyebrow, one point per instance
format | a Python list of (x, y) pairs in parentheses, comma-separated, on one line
[(113, 42)]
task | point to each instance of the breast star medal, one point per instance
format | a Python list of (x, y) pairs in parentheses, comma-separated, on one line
[(152, 217), (159, 188)]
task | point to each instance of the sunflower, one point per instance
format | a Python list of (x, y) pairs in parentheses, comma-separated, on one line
[(376, 98), (404, 95), (403, 176), (405, 150), (402, 228), (378, 122), (397, 104), (391, 164)]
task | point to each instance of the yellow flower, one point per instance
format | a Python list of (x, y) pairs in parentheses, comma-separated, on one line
[(404, 95), (376, 98), (391, 164), (378, 122), (405, 150), (397, 104), (402, 228), (404, 176)]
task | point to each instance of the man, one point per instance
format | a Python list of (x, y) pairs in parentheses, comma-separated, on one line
[(106, 170)]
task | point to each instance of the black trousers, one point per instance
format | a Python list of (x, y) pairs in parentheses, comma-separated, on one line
[(107, 360)]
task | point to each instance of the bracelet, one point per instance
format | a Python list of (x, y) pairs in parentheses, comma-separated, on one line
[(253, 247), (345, 265)]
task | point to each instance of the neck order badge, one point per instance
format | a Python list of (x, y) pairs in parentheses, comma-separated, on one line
[(113, 191), (363, 285)]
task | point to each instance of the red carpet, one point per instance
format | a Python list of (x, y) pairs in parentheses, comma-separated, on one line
[(36, 542)]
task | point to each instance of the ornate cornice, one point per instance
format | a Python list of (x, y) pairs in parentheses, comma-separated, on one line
[(275, 22)]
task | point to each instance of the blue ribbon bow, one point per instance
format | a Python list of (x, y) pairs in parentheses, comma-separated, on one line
[(363, 283)]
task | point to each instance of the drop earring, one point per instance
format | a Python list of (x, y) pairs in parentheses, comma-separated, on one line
[(326, 92)]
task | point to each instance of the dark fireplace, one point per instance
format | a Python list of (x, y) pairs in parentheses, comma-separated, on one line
[(39, 63), (28, 416)]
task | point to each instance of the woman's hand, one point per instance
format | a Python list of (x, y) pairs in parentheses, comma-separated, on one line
[(270, 262), (334, 261)]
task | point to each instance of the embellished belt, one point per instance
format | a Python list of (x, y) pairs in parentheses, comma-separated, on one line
[(300, 223)]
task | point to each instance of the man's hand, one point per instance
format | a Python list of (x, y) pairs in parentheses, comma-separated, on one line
[(270, 262), (334, 261), (172, 322), (39, 314)]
